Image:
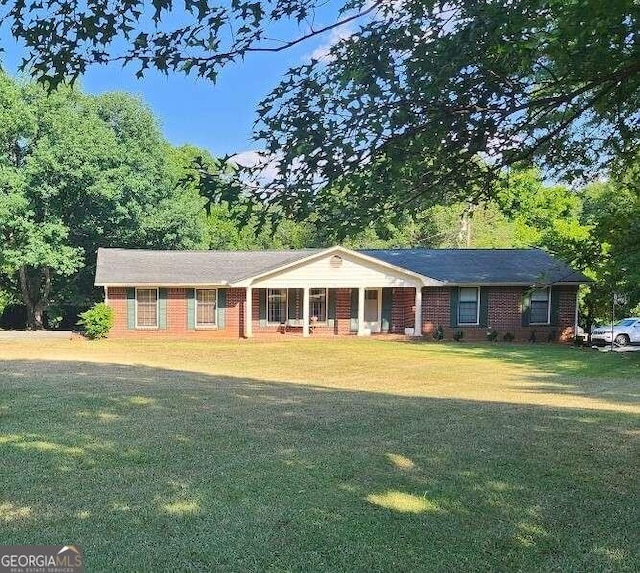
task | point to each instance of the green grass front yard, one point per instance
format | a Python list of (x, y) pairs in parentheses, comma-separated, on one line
[(348, 455)]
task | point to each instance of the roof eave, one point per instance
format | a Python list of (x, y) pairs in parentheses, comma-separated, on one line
[(511, 283), (162, 284), (424, 280)]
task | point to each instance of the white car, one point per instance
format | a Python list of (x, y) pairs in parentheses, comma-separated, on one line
[(623, 332)]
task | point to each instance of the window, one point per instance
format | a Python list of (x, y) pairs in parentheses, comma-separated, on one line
[(147, 308), (539, 310), (468, 305), (206, 308), (318, 304), (277, 305)]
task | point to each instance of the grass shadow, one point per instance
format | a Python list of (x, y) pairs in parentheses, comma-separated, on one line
[(153, 469), (563, 370)]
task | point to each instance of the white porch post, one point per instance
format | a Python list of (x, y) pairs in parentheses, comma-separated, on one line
[(417, 323), (248, 312), (305, 311), (361, 311)]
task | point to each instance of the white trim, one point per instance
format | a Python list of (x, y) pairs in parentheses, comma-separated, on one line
[(417, 319), (548, 323), (213, 326), (424, 280), (167, 285), (361, 311), (477, 322), (157, 326)]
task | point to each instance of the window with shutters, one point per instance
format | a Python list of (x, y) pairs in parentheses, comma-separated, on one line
[(147, 308), (468, 307), (206, 308), (540, 307)]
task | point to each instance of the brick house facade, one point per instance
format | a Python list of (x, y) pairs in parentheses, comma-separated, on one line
[(308, 295), (505, 314)]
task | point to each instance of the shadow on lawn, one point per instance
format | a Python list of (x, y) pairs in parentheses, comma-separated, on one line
[(560, 369), (151, 469)]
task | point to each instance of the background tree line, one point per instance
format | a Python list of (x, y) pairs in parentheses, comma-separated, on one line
[(430, 113), (78, 172)]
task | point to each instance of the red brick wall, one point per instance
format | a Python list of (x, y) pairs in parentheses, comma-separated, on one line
[(402, 313), (177, 316), (435, 308), (504, 314)]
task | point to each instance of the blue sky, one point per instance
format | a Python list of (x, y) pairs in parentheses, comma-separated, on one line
[(218, 117)]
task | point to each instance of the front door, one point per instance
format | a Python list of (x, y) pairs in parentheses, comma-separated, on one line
[(372, 308)]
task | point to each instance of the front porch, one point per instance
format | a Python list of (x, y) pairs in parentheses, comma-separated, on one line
[(325, 311)]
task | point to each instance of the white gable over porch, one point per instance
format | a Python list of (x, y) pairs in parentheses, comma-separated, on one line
[(338, 267)]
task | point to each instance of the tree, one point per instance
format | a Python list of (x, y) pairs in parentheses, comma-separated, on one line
[(436, 99), (76, 173), (612, 210), (426, 98)]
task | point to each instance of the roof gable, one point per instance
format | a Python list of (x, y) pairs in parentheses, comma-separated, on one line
[(131, 267), (338, 267)]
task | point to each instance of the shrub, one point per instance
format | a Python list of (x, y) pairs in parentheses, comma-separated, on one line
[(14, 317), (53, 317), (492, 335), (508, 337), (532, 336), (438, 333), (458, 335), (97, 321), (553, 336)]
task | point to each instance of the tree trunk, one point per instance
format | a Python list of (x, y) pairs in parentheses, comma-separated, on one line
[(35, 285), (464, 234)]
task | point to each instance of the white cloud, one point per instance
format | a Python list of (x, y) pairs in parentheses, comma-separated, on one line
[(322, 52), (257, 158)]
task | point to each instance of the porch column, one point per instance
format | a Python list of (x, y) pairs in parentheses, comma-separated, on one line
[(417, 323), (248, 312), (361, 311), (305, 311)]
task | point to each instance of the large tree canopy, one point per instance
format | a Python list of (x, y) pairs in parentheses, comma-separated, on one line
[(424, 98), (439, 98), (78, 172)]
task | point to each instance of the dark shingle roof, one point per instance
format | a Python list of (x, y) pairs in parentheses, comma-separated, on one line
[(454, 266), (132, 266), (478, 266)]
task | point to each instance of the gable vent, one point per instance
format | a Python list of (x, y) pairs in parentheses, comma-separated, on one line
[(335, 262)]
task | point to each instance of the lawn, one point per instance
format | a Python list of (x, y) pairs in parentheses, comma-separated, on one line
[(306, 455)]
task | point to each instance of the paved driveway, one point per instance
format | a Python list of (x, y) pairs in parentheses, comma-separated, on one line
[(607, 348)]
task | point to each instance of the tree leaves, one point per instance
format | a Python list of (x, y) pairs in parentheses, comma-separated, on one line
[(79, 172)]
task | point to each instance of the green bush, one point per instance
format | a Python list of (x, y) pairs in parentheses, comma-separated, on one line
[(458, 335), (438, 333), (97, 321), (492, 335), (508, 337)]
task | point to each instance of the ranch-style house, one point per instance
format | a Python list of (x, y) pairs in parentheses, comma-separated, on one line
[(339, 292)]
